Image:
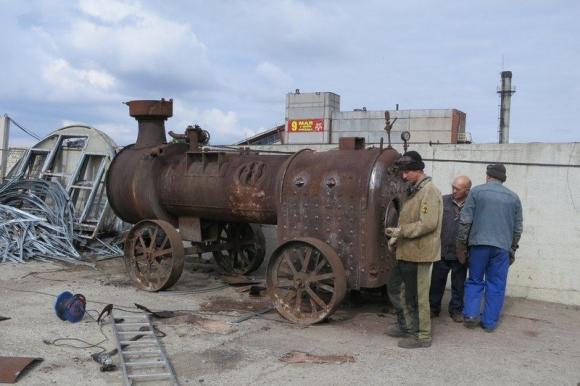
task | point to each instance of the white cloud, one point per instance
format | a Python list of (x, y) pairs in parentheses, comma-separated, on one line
[(109, 10), (139, 45), (67, 82), (121, 134), (273, 74)]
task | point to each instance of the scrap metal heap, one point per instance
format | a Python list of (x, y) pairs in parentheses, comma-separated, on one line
[(330, 207), (37, 220), (53, 201)]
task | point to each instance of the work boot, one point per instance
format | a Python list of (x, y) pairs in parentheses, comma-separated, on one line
[(470, 322), (457, 318), (396, 332), (412, 342)]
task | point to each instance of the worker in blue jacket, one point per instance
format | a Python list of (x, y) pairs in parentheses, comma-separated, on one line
[(491, 227)]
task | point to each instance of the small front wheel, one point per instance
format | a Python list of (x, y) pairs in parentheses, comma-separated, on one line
[(154, 255)]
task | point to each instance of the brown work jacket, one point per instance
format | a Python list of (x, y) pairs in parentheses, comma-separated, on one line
[(420, 221)]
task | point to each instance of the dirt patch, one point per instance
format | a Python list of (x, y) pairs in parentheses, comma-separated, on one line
[(216, 304), (222, 359), (50, 368), (204, 324), (531, 334), (119, 283)]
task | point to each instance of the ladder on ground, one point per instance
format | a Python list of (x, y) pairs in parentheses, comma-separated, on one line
[(143, 361)]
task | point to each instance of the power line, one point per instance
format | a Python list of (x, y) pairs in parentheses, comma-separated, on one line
[(29, 132)]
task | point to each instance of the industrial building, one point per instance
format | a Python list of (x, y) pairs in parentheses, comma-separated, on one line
[(316, 118)]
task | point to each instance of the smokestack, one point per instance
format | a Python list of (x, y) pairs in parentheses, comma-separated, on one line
[(505, 93), (151, 115)]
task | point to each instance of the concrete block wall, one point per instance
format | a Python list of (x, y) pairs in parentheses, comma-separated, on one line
[(547, 179)]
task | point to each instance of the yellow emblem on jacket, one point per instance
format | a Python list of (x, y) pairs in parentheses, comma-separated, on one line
[(424, 209)]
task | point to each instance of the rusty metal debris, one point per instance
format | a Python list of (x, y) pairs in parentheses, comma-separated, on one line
[(253, 314), (11, 368), (303, 357), (330, 207)]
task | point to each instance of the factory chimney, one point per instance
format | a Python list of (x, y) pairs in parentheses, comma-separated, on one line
[(505, 91)]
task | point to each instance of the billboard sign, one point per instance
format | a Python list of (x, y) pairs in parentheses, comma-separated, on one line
[(305, 125)]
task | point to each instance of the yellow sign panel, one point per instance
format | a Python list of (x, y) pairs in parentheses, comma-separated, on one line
[(305, 125)]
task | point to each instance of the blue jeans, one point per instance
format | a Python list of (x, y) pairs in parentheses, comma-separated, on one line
[(488, 270)]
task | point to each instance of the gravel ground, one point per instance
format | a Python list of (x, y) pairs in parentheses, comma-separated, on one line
[(536, 343)]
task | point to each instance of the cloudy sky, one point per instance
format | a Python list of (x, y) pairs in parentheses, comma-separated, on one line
[(229, 64)]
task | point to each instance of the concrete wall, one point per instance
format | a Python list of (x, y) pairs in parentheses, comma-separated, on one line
[(424, 125), (547, 179)]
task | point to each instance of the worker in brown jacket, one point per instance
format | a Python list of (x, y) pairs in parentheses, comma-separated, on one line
[(418, 245)]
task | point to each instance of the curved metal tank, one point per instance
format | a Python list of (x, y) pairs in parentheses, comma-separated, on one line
[(345, 198)]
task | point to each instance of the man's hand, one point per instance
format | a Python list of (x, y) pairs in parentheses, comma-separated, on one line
[(515, 246), (392, 232), (392, 244), (461, 251)]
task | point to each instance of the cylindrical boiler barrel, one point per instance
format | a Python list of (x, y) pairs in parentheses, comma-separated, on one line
[(156, 180)]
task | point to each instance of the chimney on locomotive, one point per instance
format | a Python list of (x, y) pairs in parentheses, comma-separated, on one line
[(151, 115)]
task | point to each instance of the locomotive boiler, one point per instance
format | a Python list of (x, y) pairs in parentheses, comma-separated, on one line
[(331, 208)]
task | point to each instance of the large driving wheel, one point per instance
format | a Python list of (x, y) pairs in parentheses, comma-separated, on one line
[(242, 248), (154, 255), (306, 280)]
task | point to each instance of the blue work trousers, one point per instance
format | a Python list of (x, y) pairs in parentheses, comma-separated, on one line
[(488, 270)]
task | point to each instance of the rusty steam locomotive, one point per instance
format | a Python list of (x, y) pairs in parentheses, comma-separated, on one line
[(330, 207)]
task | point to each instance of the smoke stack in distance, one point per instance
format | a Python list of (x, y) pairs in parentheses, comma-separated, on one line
[(505, 91)]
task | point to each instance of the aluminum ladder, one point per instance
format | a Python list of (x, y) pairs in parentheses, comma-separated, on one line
[(143, 360)]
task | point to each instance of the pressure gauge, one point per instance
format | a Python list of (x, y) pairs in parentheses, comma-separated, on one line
[(405, 136)]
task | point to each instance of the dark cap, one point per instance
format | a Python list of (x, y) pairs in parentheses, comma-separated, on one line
[(411, 160), (496, 171)]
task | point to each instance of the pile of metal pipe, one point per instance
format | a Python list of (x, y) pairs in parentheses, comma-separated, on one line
[(36, 221)]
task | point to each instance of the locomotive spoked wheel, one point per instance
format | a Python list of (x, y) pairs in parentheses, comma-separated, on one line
[(306, 280), (154, 255), (242, 248)]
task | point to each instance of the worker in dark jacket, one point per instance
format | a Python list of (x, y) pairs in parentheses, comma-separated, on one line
[(452, 204), (490, 226), (418, 243)]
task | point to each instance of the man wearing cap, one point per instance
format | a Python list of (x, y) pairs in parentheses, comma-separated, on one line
[(418, 245), (490, 226)]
